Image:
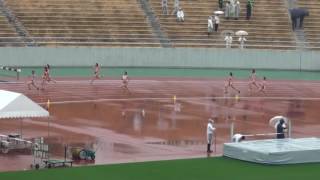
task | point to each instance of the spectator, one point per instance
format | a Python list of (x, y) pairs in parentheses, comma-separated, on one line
[(242, 40), (227, 10), (220, 4), (232, 8), (281, 127), (237, 10), (175, 7), (216, 23), (210, 25), (210, 131), (249, 9), (301, 19), (164, 7), (298, 13), (180, 15), (294, 22), (228, 40), (251, 2)]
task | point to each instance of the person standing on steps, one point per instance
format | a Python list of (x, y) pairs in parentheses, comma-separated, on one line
[(249, 10), (164, 5), (216, 23), (210, 25), (175, 7)]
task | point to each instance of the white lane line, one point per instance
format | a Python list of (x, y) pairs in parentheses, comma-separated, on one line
[(182, 98)]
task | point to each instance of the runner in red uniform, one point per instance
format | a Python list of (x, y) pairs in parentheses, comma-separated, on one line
[(96, 73), (49, 79), (45, 77), (229, 83), (263, 86)]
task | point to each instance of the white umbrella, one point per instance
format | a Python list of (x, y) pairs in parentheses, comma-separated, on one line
[(242, 33), (218, 12), (273, 122), (225, 32)]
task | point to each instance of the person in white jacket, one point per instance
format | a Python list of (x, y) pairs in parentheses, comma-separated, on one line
[(237, 10), (210, 132), (228, 40), (180, 15), (242, 40), (210, 25)]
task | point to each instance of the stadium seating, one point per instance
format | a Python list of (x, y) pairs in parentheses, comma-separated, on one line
[(80, 22), (123, 23), (8, 36)]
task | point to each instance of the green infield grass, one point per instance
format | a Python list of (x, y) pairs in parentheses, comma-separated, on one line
[(219, 168)]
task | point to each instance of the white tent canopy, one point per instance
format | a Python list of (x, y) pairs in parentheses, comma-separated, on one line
[(16, 105)]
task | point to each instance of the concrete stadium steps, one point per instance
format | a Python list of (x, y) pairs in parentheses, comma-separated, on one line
[(70, 22), (87, 23), (117, 35), (217, 36), (263, 30), (83, 31), (81, 19), (198, 45), (106, 23), (312, 22), (95, 27), (92, 40), (75, 14), (97, 44), (235, 43), (269, 20), (231, 22)]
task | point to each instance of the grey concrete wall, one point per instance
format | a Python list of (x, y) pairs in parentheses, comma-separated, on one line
[(160, 57)]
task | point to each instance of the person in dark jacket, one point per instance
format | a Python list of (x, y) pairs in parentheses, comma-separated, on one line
[(298, 13), (281, 127), (220, 4), (249, 9)]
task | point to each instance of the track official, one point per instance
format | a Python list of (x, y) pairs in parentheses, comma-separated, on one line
[(281, 127), (210, 131)]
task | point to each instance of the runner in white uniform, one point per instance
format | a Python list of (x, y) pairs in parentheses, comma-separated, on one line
[(32, 81), (125, 81)]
